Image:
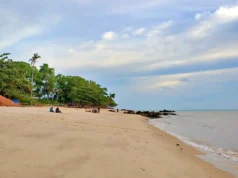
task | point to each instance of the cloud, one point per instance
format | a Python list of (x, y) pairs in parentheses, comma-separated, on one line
[(15, 27), (139, 31), (125, 35), (223, 15), (168, 84), (224, 52), (201, 15), (109, 35), (198, 16), (23, 33), (158, 29), (133, 6), (164, 45), (83, 1), (227, 13), (128, 29), (182, 80)]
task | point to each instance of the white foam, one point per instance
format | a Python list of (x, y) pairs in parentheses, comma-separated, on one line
[(206, 131), (226, 154)]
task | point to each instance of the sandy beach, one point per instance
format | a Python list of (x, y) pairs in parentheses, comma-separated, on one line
[(76, 144)]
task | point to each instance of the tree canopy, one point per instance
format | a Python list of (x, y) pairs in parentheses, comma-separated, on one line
[(17, 83)]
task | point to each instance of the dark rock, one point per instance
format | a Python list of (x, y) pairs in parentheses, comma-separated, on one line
[(150, 114), (167, 112), (129, 112), (178, 145), (144, 113)]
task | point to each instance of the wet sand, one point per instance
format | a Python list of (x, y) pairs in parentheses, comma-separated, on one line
[(36, 143)]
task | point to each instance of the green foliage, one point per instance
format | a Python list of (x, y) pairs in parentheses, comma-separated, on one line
[(45, 82), (14, 82), (17, 83)]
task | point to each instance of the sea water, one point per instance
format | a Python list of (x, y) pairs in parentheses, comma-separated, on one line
[(212, 132)]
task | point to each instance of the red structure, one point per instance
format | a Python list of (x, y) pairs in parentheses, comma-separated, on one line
[(7, 102)]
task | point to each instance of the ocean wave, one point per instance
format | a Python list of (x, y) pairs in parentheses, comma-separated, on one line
[(226, 154)]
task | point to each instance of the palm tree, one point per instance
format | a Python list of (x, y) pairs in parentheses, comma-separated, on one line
[(33, 61)]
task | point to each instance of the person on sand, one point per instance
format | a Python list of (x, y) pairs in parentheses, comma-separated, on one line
[(51, 109), (58, 110)]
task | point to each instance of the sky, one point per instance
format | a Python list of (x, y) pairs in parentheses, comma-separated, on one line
[(154, 54)]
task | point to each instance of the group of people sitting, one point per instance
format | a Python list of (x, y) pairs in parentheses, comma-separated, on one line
[(57, 110)]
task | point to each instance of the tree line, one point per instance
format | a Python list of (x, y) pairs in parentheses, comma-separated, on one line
[(28, 84)]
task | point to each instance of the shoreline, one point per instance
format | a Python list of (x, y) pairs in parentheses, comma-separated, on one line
[(192, 152), (221, 154), (70, 144)]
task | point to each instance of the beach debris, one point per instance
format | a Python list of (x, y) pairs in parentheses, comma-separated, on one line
[(178, 145)]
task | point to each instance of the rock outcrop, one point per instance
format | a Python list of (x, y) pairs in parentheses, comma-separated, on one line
[(151, 114)]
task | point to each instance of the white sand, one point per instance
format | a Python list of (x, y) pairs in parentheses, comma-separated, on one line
[(37, 144)]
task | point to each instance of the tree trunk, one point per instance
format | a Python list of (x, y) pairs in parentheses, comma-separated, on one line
[(32, 80)]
